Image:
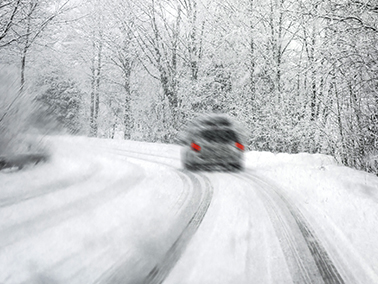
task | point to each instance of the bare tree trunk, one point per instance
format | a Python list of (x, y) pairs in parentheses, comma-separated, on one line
[(252, 84), (339, 122), (93, 117), (311, 57), (23, 65), (96, 67), (98, 80), (279, 50), (112, 134), (276, 45), (32, 7), (93, 91), (127, 120), (195, 41), (195, 45)]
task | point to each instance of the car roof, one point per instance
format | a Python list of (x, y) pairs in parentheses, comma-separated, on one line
[(212, 120)]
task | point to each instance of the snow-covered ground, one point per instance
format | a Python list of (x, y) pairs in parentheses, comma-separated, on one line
[(111, 211), (340, 202)]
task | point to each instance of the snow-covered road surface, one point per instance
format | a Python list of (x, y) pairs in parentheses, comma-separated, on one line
[(108, 211)]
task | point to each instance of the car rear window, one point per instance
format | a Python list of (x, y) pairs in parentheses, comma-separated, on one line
[(218, 121), (219, 135)]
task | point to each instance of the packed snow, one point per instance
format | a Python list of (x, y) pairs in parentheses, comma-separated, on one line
[(99, 202)]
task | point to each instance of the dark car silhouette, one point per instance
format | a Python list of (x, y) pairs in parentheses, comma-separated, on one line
[(212, 142)]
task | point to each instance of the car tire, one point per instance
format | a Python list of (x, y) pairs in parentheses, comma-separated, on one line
[(235, 167), (190, 167)]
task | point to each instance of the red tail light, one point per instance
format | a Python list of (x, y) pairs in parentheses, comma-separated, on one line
[(195, 147), (240, 146)]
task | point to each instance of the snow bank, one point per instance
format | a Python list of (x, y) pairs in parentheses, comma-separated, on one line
[(268, 159), (340, 203)]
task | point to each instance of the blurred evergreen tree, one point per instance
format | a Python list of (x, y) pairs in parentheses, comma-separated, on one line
[(60, 105)]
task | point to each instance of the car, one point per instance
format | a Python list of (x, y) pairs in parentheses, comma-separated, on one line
[(212, 142)]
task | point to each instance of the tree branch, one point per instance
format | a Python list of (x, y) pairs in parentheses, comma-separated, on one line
[(350, 18), (10, 22)]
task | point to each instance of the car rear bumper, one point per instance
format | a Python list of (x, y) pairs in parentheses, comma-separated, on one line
[(193, 160)]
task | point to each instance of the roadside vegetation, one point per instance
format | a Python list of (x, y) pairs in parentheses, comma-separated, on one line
[(20, 143)]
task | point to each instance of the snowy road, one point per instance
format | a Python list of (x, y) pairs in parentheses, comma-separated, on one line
[(107, 211)]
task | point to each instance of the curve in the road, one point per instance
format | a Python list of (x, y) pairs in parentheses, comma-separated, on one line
[(200, 199)]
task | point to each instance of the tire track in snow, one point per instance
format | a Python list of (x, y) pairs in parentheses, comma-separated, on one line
[(56, 216), (202, 196), (287, 219), (145, 156), (162, 269), (50, 188)]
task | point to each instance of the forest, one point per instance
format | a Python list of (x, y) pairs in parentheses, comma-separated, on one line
[(302, 76)]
